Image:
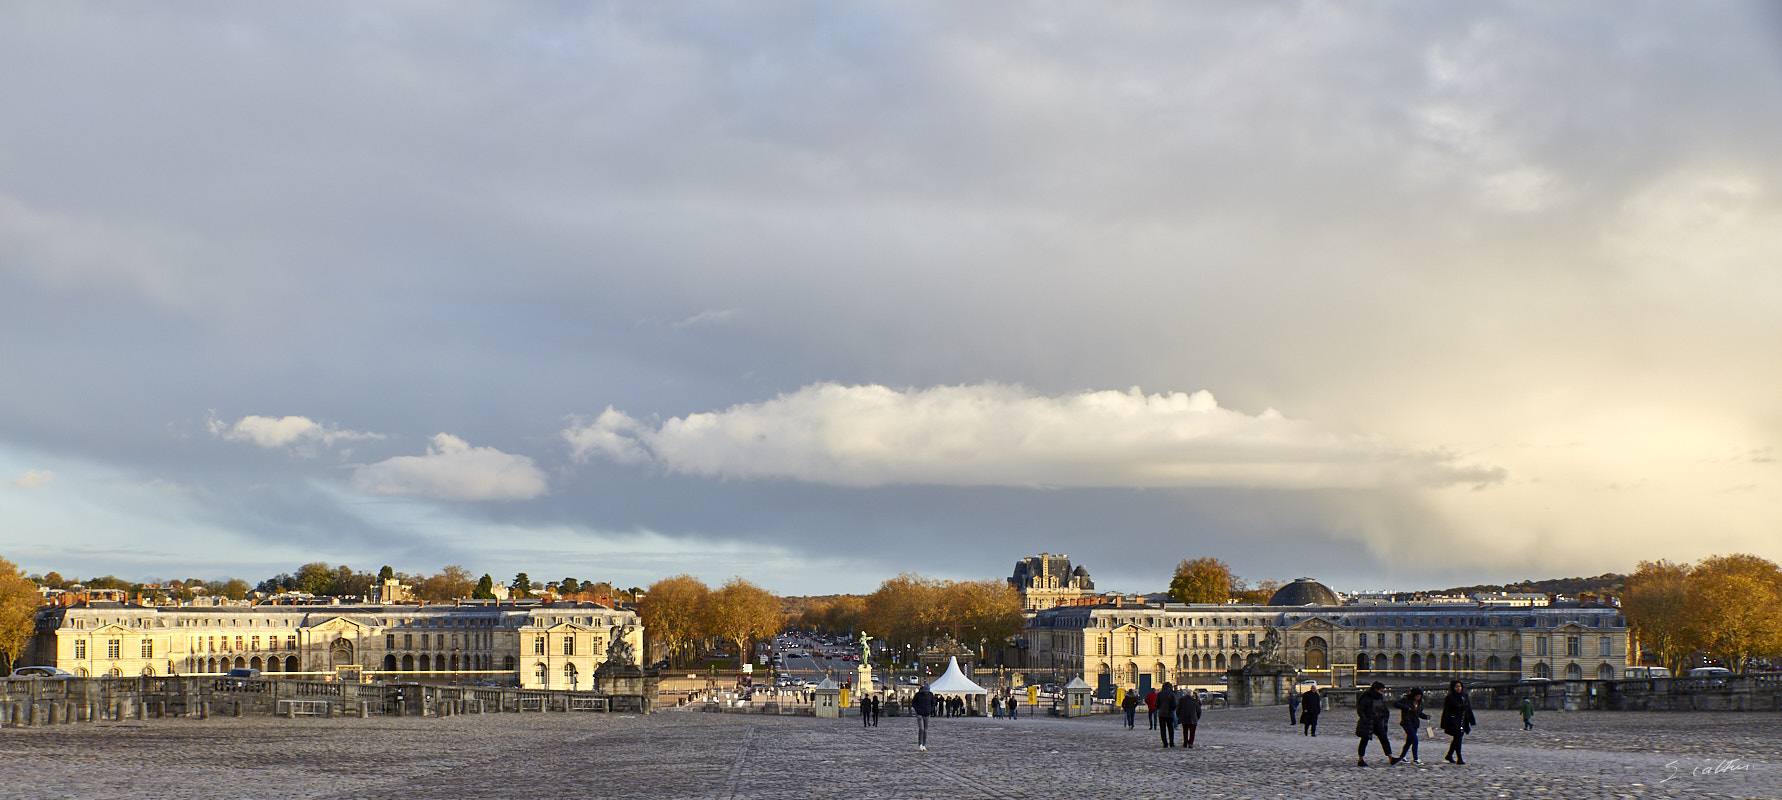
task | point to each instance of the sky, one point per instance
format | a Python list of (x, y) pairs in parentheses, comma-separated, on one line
[(1391, 295)]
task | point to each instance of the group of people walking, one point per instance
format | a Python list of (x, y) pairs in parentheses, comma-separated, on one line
[(1166, 708), (1373, 714)]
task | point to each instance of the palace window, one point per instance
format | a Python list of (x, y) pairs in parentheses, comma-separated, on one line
[(256, 642), (1361, 640), (1416, 640), (290, 643), (568, 645), (538, 645), (1574, 646), (114, 648), (80, 648), (1250, 640), (148, 648), (408, 641), (1541, 646), (389, 641), (1605, 646), (1398, 640), (1101, 646), (423, 641)]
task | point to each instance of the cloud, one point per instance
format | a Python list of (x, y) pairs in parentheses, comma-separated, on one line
[(33, 478), (453, 470), (275, 432), (710, 316), (999, 435)]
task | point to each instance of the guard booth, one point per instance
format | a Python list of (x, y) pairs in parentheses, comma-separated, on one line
[(1077, 698), (828, 699)]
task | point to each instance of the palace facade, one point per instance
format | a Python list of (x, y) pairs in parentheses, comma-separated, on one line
[(1046, 580), (538, 645), (1139, 646)]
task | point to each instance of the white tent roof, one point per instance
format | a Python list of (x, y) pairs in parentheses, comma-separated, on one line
[(953, 681)]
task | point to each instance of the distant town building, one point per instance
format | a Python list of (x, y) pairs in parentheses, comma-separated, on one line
[(1512, 599), (1141, 646), (1046, 580), (537, 645)]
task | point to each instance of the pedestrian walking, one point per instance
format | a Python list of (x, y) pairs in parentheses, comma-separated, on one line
[(1188, 714), (1129, 704), (865, 711), (1457, 720), (1528, 713), (1410, 714), (878, 705), (1012, 706), (1293, 708), (923, 705), (1166, 715), (1311, 703), (1151, 708), (1371, 717), (996, 707)]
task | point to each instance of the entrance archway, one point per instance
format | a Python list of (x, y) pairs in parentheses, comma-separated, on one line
[(1317, 654)]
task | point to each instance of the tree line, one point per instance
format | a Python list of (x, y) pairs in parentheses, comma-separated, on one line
[(1727, 607), (321, 579), (687, 618), (1210, 580), (911, 610)]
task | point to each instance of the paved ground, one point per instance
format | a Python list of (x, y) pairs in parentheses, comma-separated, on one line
[(1240, 753)]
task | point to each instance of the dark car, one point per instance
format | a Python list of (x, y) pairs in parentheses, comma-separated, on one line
[(238, 679), (41, 672)]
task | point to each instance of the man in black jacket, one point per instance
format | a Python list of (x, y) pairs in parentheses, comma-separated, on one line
[(1371, 717), (923, 705), (1311, 704), (1457, 720), (1188, 714), (1166, 715)]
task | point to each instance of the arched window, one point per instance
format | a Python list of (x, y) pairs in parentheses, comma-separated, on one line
[(408, 663), (1221, 661), (1416, 662), (390, 663), (542, 674), (1317, 654), (256, 663), (290, 663), (1398, 662), (1494, 665), (1380, 662), (1361, 663), (1574, 672), (1541, 670), (1446, 665), (1605, 673), (508, 664), (426, 665), (569, 675)]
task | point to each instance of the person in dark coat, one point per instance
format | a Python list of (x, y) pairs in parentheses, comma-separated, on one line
[(1166, 715), (1129, 704), (865, 711), (1311, 704), (1457, 720), (1014, 705), (1410, 714), (923, 704), (1371, 717), (1293, 708), (1188, 714), (878, 707)]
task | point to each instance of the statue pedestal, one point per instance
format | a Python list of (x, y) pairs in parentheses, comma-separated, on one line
[(1260, 684), (863, 679)]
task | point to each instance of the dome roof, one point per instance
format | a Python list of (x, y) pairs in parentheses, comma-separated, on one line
[(1080, 570), (1304, 592)]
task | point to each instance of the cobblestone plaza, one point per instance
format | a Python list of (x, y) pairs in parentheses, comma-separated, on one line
[(1240, 753)]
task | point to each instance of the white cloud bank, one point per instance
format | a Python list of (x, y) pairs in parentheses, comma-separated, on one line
[(998, 435), (276, 432), (453, 470)]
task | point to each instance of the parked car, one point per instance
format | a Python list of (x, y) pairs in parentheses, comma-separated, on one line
[(1635, 673), (41, 672), (238, 678)]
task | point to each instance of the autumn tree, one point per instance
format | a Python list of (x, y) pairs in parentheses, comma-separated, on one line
[(19, 600), (902, 610), (1201, 580), (670, 613), (450, 583), (739, 612), (1735, 608), (1655, 599)]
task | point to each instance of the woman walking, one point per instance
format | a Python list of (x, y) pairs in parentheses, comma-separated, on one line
[(1371, 717), (1457, 720), (1410, 714)]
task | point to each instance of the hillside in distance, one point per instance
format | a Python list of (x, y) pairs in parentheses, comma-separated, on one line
[(1607, 584)]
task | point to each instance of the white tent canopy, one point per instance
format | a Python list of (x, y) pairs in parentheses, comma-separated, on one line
[(953, 681)]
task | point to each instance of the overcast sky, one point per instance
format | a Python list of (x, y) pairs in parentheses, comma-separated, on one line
[(1390, 295)]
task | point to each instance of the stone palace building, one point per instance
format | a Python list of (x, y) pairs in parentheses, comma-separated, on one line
[(538, 645), (1140, 645)]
